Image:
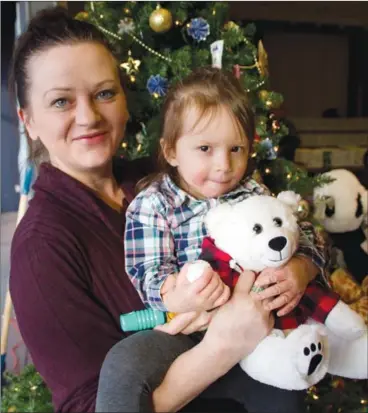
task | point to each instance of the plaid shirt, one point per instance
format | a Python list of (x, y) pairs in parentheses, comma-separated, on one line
[(165, 229), (317, 302)]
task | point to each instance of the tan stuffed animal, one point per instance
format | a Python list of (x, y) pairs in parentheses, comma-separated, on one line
[(353, 294)]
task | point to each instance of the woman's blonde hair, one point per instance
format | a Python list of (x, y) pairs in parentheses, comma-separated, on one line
[(205, 89)]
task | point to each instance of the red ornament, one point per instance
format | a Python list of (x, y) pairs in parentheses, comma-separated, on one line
[(275, 126), (257, 138), (338, 383), (236, 71)]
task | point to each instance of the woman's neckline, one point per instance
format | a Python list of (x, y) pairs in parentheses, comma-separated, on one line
[(116, 206)]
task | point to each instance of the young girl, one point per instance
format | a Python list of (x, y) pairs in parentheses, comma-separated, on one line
[(207, 134)]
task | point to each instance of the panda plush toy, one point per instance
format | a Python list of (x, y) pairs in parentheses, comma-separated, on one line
[(341, 207)]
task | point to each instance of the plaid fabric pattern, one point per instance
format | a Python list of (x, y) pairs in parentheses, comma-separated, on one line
[(316, 303), (219, 261), (164, 230)]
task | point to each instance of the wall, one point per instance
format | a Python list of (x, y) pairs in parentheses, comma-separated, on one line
[(35, 6), (310, 70), (317, 52), (343, 13)]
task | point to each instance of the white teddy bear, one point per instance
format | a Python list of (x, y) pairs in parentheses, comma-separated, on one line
[(262, 231)]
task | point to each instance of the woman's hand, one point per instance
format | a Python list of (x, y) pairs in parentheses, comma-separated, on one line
[(286, 285), (239, 325)]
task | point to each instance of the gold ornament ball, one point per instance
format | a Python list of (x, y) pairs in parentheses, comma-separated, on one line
[(160, 20), (231, 26), (303, 209), (269, 103), (82, 16), (276, 104), (263, 94)]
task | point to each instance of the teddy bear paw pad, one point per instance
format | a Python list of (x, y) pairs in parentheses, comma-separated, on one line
[(313, 351), (311, 356)]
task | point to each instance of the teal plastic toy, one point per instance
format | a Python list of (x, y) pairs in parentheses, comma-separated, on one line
[(142, 320)]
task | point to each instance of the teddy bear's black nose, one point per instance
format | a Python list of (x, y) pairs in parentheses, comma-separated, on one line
[(277, 243)]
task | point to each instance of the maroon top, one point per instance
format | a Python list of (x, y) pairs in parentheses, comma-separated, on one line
[(68, 282)]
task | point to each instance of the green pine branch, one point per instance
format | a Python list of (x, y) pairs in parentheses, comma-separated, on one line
[(25, 392)]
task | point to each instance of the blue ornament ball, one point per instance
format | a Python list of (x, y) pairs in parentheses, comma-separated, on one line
[(157, 84), (199, 29)]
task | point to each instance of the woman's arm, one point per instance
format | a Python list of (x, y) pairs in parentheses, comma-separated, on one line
[(235, 330), (64, 327), (189, 375)]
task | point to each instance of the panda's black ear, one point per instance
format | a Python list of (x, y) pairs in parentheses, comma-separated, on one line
[(359, 210), (329, 210)]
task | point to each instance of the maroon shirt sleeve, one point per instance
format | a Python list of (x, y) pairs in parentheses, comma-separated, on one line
[(52, 302)]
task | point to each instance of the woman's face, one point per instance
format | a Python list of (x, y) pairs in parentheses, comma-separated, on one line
[(77, 107)]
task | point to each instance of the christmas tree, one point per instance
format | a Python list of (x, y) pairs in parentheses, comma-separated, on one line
[(25, 392), (159, 44), (337, 395)]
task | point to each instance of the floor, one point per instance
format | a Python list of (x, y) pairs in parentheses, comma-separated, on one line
[(16, 356)]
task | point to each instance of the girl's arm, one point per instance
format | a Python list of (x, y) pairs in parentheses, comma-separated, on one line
[(150, 259), (149, 248), (312, 250)]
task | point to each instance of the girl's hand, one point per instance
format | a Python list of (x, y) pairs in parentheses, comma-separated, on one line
[(287, 284), (206, 293)]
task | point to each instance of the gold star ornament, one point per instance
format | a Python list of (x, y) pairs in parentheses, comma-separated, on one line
[(131, 66)]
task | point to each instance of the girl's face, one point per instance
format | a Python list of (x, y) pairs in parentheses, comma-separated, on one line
[(211, 155), (77, 107)]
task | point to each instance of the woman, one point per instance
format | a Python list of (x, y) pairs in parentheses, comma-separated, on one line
[(67, 270)]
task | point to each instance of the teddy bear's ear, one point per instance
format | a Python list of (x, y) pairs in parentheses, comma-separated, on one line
[(290, 198), (216, 216)]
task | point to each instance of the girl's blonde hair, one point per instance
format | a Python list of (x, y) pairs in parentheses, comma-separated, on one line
[(205, 89)]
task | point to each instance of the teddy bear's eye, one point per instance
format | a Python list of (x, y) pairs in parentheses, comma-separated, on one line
[(257, 228), (277, 221)]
